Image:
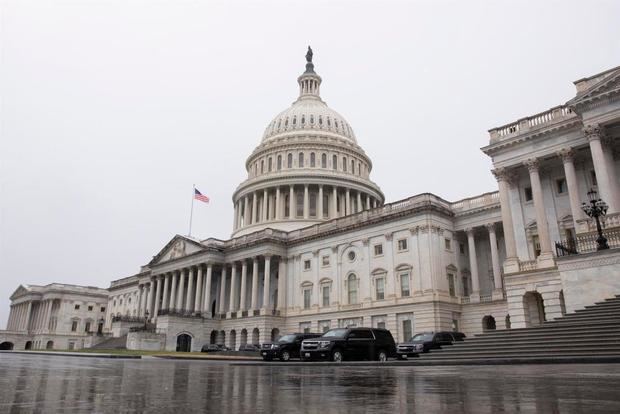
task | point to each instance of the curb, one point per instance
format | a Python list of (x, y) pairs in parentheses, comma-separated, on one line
[(74, 354)]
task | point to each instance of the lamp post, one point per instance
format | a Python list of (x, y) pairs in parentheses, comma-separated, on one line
[(596, 209), (146, 318)]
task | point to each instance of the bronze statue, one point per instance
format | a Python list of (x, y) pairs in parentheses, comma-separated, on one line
[(309, 55)]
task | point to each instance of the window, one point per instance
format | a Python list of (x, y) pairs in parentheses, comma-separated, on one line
[(407, 330), (380, 288), (448, 244), (129, 300), (307, 265), (262, 166), (301, 160), (307, 298), (121, 302), (465, 286), (352, 167), (402, 245), (77, 307), (461, 248), (404, 285), (325, 328), (352, 289), (593, 177), (313, 204), (312, 160), (351, 256), (451, 284), (300, 204), (103, 309), (325, 260), (289, 161), (359, 168), (87, 327), (536, 244), (528, 193), (344, 164), (378, 250), (560, 186), (324, 161), (279, 163), (381, 325), (334, 162), (74, 325), (455, 325), (90, 308), (325, 292)]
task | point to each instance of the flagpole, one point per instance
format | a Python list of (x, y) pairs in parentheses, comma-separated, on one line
[(191, 211)]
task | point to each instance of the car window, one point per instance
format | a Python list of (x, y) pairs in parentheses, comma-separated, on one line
[(287, 339), (422, 337), (335, 333), (361, 334)]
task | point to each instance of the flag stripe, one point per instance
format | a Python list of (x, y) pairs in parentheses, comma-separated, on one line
[(199, 196)]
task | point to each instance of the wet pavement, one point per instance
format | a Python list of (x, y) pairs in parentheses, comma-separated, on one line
[(49, 384)]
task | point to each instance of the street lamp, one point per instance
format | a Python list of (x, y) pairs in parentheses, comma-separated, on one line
[(146, 318), (596, 209)]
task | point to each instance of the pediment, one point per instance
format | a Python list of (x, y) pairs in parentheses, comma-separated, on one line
[(179, 246), (607, 84), (20, 291)]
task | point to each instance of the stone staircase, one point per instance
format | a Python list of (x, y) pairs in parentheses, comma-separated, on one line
[(112, 343), (591, 334)]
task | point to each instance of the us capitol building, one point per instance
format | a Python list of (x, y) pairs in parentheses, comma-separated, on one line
[(314, 245)]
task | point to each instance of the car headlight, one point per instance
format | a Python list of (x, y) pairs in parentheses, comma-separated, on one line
[(419, 346), (275, 346), (324, 344)]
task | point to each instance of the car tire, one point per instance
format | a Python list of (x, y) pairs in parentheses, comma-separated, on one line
[(285, 356), (382, 356), (337, 356)]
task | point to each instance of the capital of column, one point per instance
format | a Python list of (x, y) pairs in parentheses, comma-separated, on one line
[(469, 231), (490, 227), (532, 164), (503, 174), (567, 155), (593, 132)]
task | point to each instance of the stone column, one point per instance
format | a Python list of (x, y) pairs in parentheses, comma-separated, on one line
[(149, 299), (267, 284), (503, 177), (198, 297), (265, 205), (244, 277), (254, 207), (181, 291), (291, 203), (157, 295), (9, 323), (334, 203), (222, 306), (140, 299), (206, 309), (254, 304), (347, 201), (48, 315), (282, 284), (173, 291), (473, 264), (319, 201), (28, 314), (306, 202), (359, 202), (497, 274), (546, 255), (235, 215), (278, 205), (189, 296), (166, 299), (246, 211), (568, 157), (232, 305), (367, 202), (605, 180)]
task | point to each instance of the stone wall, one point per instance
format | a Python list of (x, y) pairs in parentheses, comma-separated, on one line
[(146, 341)]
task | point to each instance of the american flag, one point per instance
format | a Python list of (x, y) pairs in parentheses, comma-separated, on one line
[(199, 196)]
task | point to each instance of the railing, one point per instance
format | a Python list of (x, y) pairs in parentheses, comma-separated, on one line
[(483, 200), (465, 299), (586, 243), (132, 319), (608, 221), (486, 298), (149, 327), (532, 122), (182, 313), (527, 265)]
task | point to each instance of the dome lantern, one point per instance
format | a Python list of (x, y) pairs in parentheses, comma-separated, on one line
[(309, 82)]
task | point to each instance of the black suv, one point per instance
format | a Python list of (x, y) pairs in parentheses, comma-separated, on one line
[(350, 343), (425, 341), (286, 347)]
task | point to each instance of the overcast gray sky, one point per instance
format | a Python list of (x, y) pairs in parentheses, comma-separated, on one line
[(111, 110)]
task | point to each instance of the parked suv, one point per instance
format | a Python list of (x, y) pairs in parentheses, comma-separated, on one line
[(425, 341), (286, 347), (350, 343)]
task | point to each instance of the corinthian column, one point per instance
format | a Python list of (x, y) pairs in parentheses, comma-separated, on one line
[(497, 275), (244, 276), (206, 309), (512, 262), (173, 291), (306, 203), (541, 216), (319, 203), (166, 299), (254, 303), (223, 290), (232, 306), (181, 291), (568, 156), (197, 299), (473, 264), (267, 284), (282, 284), (278, 205), (157, 295), (605, 179)]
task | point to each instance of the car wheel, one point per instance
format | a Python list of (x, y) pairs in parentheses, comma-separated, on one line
[(285, 356), (382, 356), (337, 356)]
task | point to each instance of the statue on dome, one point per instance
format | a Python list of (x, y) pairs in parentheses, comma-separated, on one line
[(309, 55)]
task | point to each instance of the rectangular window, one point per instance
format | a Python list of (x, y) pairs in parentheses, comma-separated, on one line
[(87, 327), (448, 244), (380, 288), (455, 325), (402, 245), (77, 307), (325, 260), (74, 325), (378, 250), (536, 244), (461, 248), (465, 286), (90, 308), (325, 291), (451, 284), (404, 285), (307, 264), (307, 297), (300, 204), (527, 192), (407, 330), (103, 309), (325, 328), (381, 325), (560, 186)]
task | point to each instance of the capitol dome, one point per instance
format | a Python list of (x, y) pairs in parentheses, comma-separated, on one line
[(307, 169)]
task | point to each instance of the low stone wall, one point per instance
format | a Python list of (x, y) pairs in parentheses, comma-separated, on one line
[(146, 341), (589, 278)]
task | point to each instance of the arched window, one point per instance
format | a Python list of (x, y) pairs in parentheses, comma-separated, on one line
[(286, 122), (320, 120), (352, 289), (334, 162), (329, 123), (312, 160), (312, 119), (324, 161), (295, 120), (352, 167), (303, 119), (269, 164), (279, 123), (359, 168), (279, 162), (313, 205), (344, 164), (262, 166), (301, 160), (289, 161)]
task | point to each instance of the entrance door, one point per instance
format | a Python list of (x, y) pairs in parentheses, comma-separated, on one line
[(184, 343)]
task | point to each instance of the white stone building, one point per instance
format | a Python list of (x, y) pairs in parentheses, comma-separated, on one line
[(314, 246)]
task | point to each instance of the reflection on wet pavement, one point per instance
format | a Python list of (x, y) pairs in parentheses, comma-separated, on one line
[(61, 384)]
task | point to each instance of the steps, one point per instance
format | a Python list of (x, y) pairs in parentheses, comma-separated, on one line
[(591, 334), (112, 343)]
